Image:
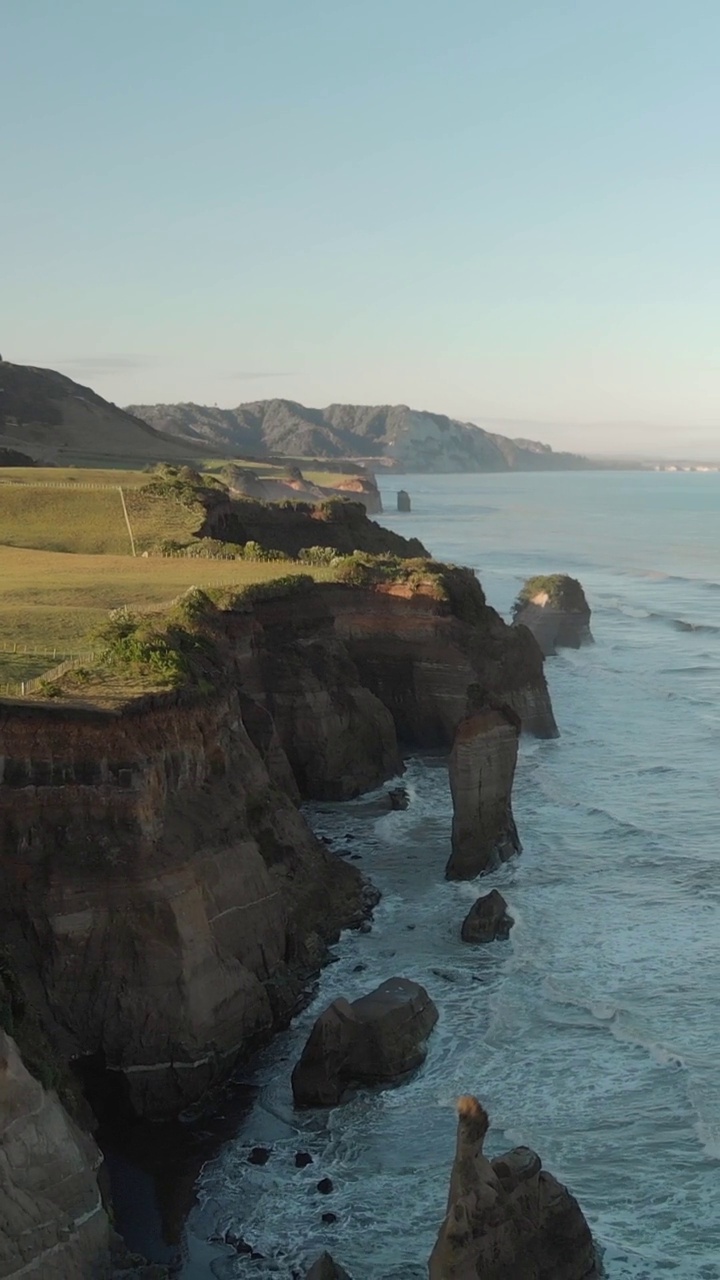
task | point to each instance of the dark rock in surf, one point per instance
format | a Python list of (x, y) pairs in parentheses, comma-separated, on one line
[(325, 1268), (259, 1155), (376, 1040), (508, 1219), (487, 919), (403, 500)]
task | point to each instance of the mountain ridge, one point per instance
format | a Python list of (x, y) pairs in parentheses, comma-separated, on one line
[(393, 435)]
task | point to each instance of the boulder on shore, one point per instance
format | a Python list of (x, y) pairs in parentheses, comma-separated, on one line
[(482, 769), (554, 608), (326, 1268), (507, 1218), (376, 1040), (487, 919)]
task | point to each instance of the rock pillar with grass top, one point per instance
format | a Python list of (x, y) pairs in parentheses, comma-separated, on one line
[(553, 607)]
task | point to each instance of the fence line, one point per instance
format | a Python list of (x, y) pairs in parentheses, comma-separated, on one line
[(56, 484)]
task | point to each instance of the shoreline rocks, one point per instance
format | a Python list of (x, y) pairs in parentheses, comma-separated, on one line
[(376, 1040), (507, 1218)]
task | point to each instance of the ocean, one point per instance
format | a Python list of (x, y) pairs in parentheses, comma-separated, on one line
[(593, 1033)]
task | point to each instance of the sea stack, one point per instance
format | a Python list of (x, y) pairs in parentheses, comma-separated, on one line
[(403, 500), (507, 1219), (482, 769), (554, 608)]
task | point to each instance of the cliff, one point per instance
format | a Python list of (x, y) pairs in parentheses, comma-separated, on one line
[(52, 1220), (163, 896), (290, 527), (164, 899), (413, 439)]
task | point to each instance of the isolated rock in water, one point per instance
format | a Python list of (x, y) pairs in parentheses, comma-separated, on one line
[(52, 1220), (487, 919), (482, 768), (398, 797), (325, 1268), (554, 608), (507, 1219), (403, 500), (375, 1040)]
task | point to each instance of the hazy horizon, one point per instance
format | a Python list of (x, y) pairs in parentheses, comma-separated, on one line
[(506, 213)]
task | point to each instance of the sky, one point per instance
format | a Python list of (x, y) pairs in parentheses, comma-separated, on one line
[(503, 210)]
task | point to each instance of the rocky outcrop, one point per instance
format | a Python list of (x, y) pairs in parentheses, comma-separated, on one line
[(341, 524), (508, 1219), (245, 483), (163, 897), (326, 1268), (555, 610), (418, 653), (403, 500), (52, 1219), (487, 919), (376, 1040), (482, 768)]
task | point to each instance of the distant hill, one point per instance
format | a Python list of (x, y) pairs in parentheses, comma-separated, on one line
[(55, 420), (411, 439)]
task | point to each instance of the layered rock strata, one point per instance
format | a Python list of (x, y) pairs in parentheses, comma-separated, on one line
[(507, 1218), (376, 1040), (482, 768), (163, 896)]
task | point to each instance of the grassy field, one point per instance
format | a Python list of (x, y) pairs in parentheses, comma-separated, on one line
[(91, 521), (51, 600)]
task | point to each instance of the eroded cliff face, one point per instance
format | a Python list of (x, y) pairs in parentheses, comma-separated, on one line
[(52, 1220), (419, 657), (165, 892), (554, 608)]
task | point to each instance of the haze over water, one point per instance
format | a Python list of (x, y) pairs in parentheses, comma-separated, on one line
[(593, 1033)]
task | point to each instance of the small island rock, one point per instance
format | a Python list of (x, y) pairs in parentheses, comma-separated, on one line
[(554, 608), (376, 1040), (482, 769)]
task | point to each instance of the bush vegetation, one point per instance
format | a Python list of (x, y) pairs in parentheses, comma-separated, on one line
[(562, 591)]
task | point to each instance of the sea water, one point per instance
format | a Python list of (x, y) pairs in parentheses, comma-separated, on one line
[(593, 1033)]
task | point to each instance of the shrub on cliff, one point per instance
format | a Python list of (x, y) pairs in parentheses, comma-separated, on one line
[(174, 648), (562, 591), (186, 486)]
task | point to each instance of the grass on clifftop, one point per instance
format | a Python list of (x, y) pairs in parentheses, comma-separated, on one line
[(51, 600), (562, 591)]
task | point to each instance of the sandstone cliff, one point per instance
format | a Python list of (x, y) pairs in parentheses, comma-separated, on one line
[(52, 1220), (507, 1218), (165, 892), (162, 895)]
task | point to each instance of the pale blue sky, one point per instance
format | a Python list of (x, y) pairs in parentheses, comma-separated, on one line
[(497, 209)]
